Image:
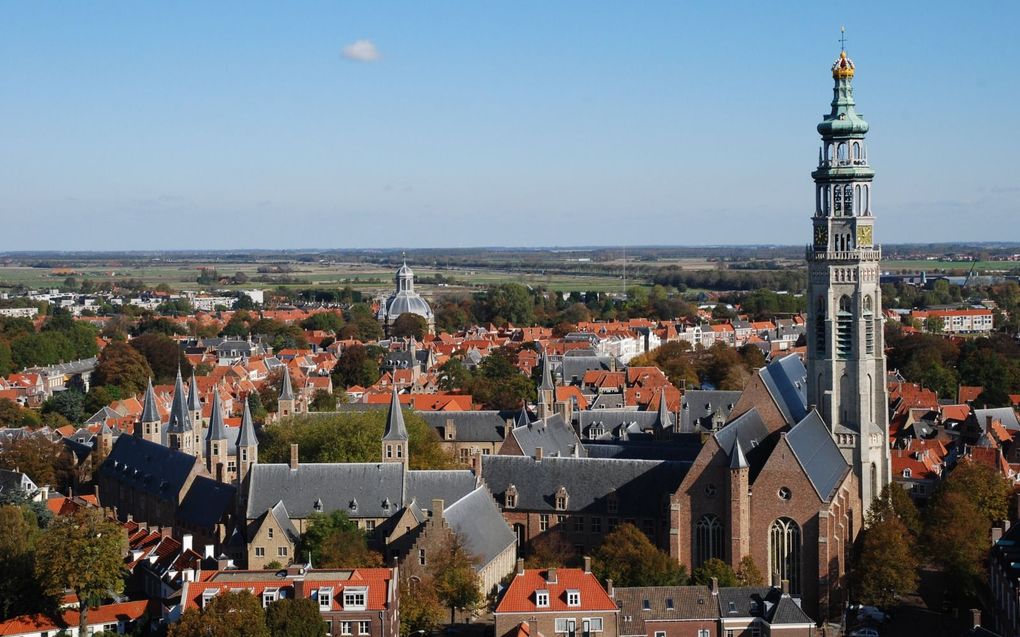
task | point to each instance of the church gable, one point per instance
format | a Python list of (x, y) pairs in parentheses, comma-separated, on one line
[(756, 396)]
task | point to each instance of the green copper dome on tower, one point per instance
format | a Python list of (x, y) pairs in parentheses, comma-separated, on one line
[(843, 120)]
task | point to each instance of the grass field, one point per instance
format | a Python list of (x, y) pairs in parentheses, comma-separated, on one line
[(917, 265)]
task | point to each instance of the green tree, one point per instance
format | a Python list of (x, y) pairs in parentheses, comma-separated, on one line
[(70, 404), (83, 552), (121, 365), (499, 384), (748, 573), (331, 322), (18, 590), (6, 358), (894, 502), (510, 303), (409, 325), (628, 558), (14, 415), (716, 568), (551, 549), (934, 324), (229, 614), (322, 400), (163, 354), (420, 609), (355, 367), (332, 540), (44, 461), (452, 569), (454, 375), (295, 618)]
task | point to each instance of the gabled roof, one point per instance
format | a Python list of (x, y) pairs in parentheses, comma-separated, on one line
[(279, 513), (448, 485), (752, 433), (359, 488), (471, 426), (664, 603), (547, 382), (786, 381), (208, 501), (148, 466), (818, 454), (519, 596), (552, 434)]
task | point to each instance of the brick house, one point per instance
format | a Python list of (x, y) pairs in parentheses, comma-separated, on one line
[(557, 601)]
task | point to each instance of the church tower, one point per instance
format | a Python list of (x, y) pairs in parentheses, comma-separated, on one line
[(287, 403), (216, 442), (546, 390), (180, 433), (845, 361), (195, 412), (148, 426)]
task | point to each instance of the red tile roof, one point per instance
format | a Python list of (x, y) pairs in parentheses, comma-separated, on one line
[(520, 595)]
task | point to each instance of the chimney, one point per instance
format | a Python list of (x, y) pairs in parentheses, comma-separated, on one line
[(186, 540), (988, 423), (996, 534), (293, 457), (437, 509), (975, 617), (713, 586), (450, 430), (785, 585), (209, 551), (610, 589), (550, 575), (520, 566), (538, 454), (587, 564)]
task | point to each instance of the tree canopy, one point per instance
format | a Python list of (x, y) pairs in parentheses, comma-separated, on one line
[(334, 541), (122, 366), (228, 614), (629, 558), (295, 618), (452, 569)]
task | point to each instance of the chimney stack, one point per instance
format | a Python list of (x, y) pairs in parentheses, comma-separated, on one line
[(550, 575), (437, 509), (975, 617), (520, 566), (714, 586), (293, 457), (587, 564), (785, 585), (186, 540), (610, 589), (538, 454)]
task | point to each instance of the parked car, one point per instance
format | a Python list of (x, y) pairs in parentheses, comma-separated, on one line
[(872, 614), (864, 632)]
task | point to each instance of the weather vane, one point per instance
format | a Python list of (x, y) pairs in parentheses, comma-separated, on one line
[(842, 38)]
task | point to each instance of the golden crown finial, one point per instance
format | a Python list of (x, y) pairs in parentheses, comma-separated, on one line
[(843, 67)]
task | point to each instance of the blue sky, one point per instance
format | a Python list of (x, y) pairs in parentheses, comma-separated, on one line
[(127, 125)]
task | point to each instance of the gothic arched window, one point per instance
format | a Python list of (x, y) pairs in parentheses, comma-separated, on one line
[(820, 326), (708, 539), (784, 552), (869, 325), (844, 327)]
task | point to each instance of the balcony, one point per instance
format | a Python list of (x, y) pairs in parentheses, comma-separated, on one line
[(864, 254)]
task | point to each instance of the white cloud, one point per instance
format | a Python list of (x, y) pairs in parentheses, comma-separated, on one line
[(361, 51)]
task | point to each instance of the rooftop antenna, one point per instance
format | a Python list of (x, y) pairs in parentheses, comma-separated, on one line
[(842, 38)]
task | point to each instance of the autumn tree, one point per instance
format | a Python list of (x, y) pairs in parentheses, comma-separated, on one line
[(748, 573), (956, 538), (886, 564), (229, 614), (716, 568), (421, 612), (551, 549), (322, 400), (290, 617), (45, 462), (334, 541), (18, 589), (122, 366), (628, 557), (894, 502), (83, 553), (452, 570), (356, 366), (985, 486)]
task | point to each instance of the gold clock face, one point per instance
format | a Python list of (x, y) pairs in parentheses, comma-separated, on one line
[(821, 236), (864, 238)]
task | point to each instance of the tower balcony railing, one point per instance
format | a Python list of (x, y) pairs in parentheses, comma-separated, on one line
[(859, 254)]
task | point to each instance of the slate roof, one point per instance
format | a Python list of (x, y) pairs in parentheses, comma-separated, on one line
[(685, 448), (279, 511), (742, 601), (395, 429), (208, 501), (699, 406), (818, 454), (753, 436), (1006, 415), (783, 609), (479, 521), (337, 485), (639, 485), (664, 603), (611, 421), (786, 380), (547, 382), (552, 434), (447, 485), (148, 466), (575, 366), (180, 421), (194, 396), (471, 426), (217, 428), (287, 392), (103, 415), (246, 435)]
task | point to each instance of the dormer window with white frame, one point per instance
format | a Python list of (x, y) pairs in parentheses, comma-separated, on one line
[(542, 599), (207, 596), (355, 598), (325, 597), (510, 497), (573, 598), (269, 596), (562, 498), (907, 473)]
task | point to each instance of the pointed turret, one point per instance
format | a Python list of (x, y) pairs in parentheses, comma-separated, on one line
[(287, 404), (664, 420), (394, 440), (247, 444), (546, 390), (148, 427), (547, 381), (194, 397), (737, 458), (522, 419), (217, 427), (180, 433)]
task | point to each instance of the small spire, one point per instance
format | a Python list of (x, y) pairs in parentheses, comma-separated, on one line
[(287, 393), (217, 428), (842, 39), (149, 411), (665, 419), (247, 436), (194, 398), (522, 419), (737, 458), (180, 421), (395, 429), (547, 382)]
